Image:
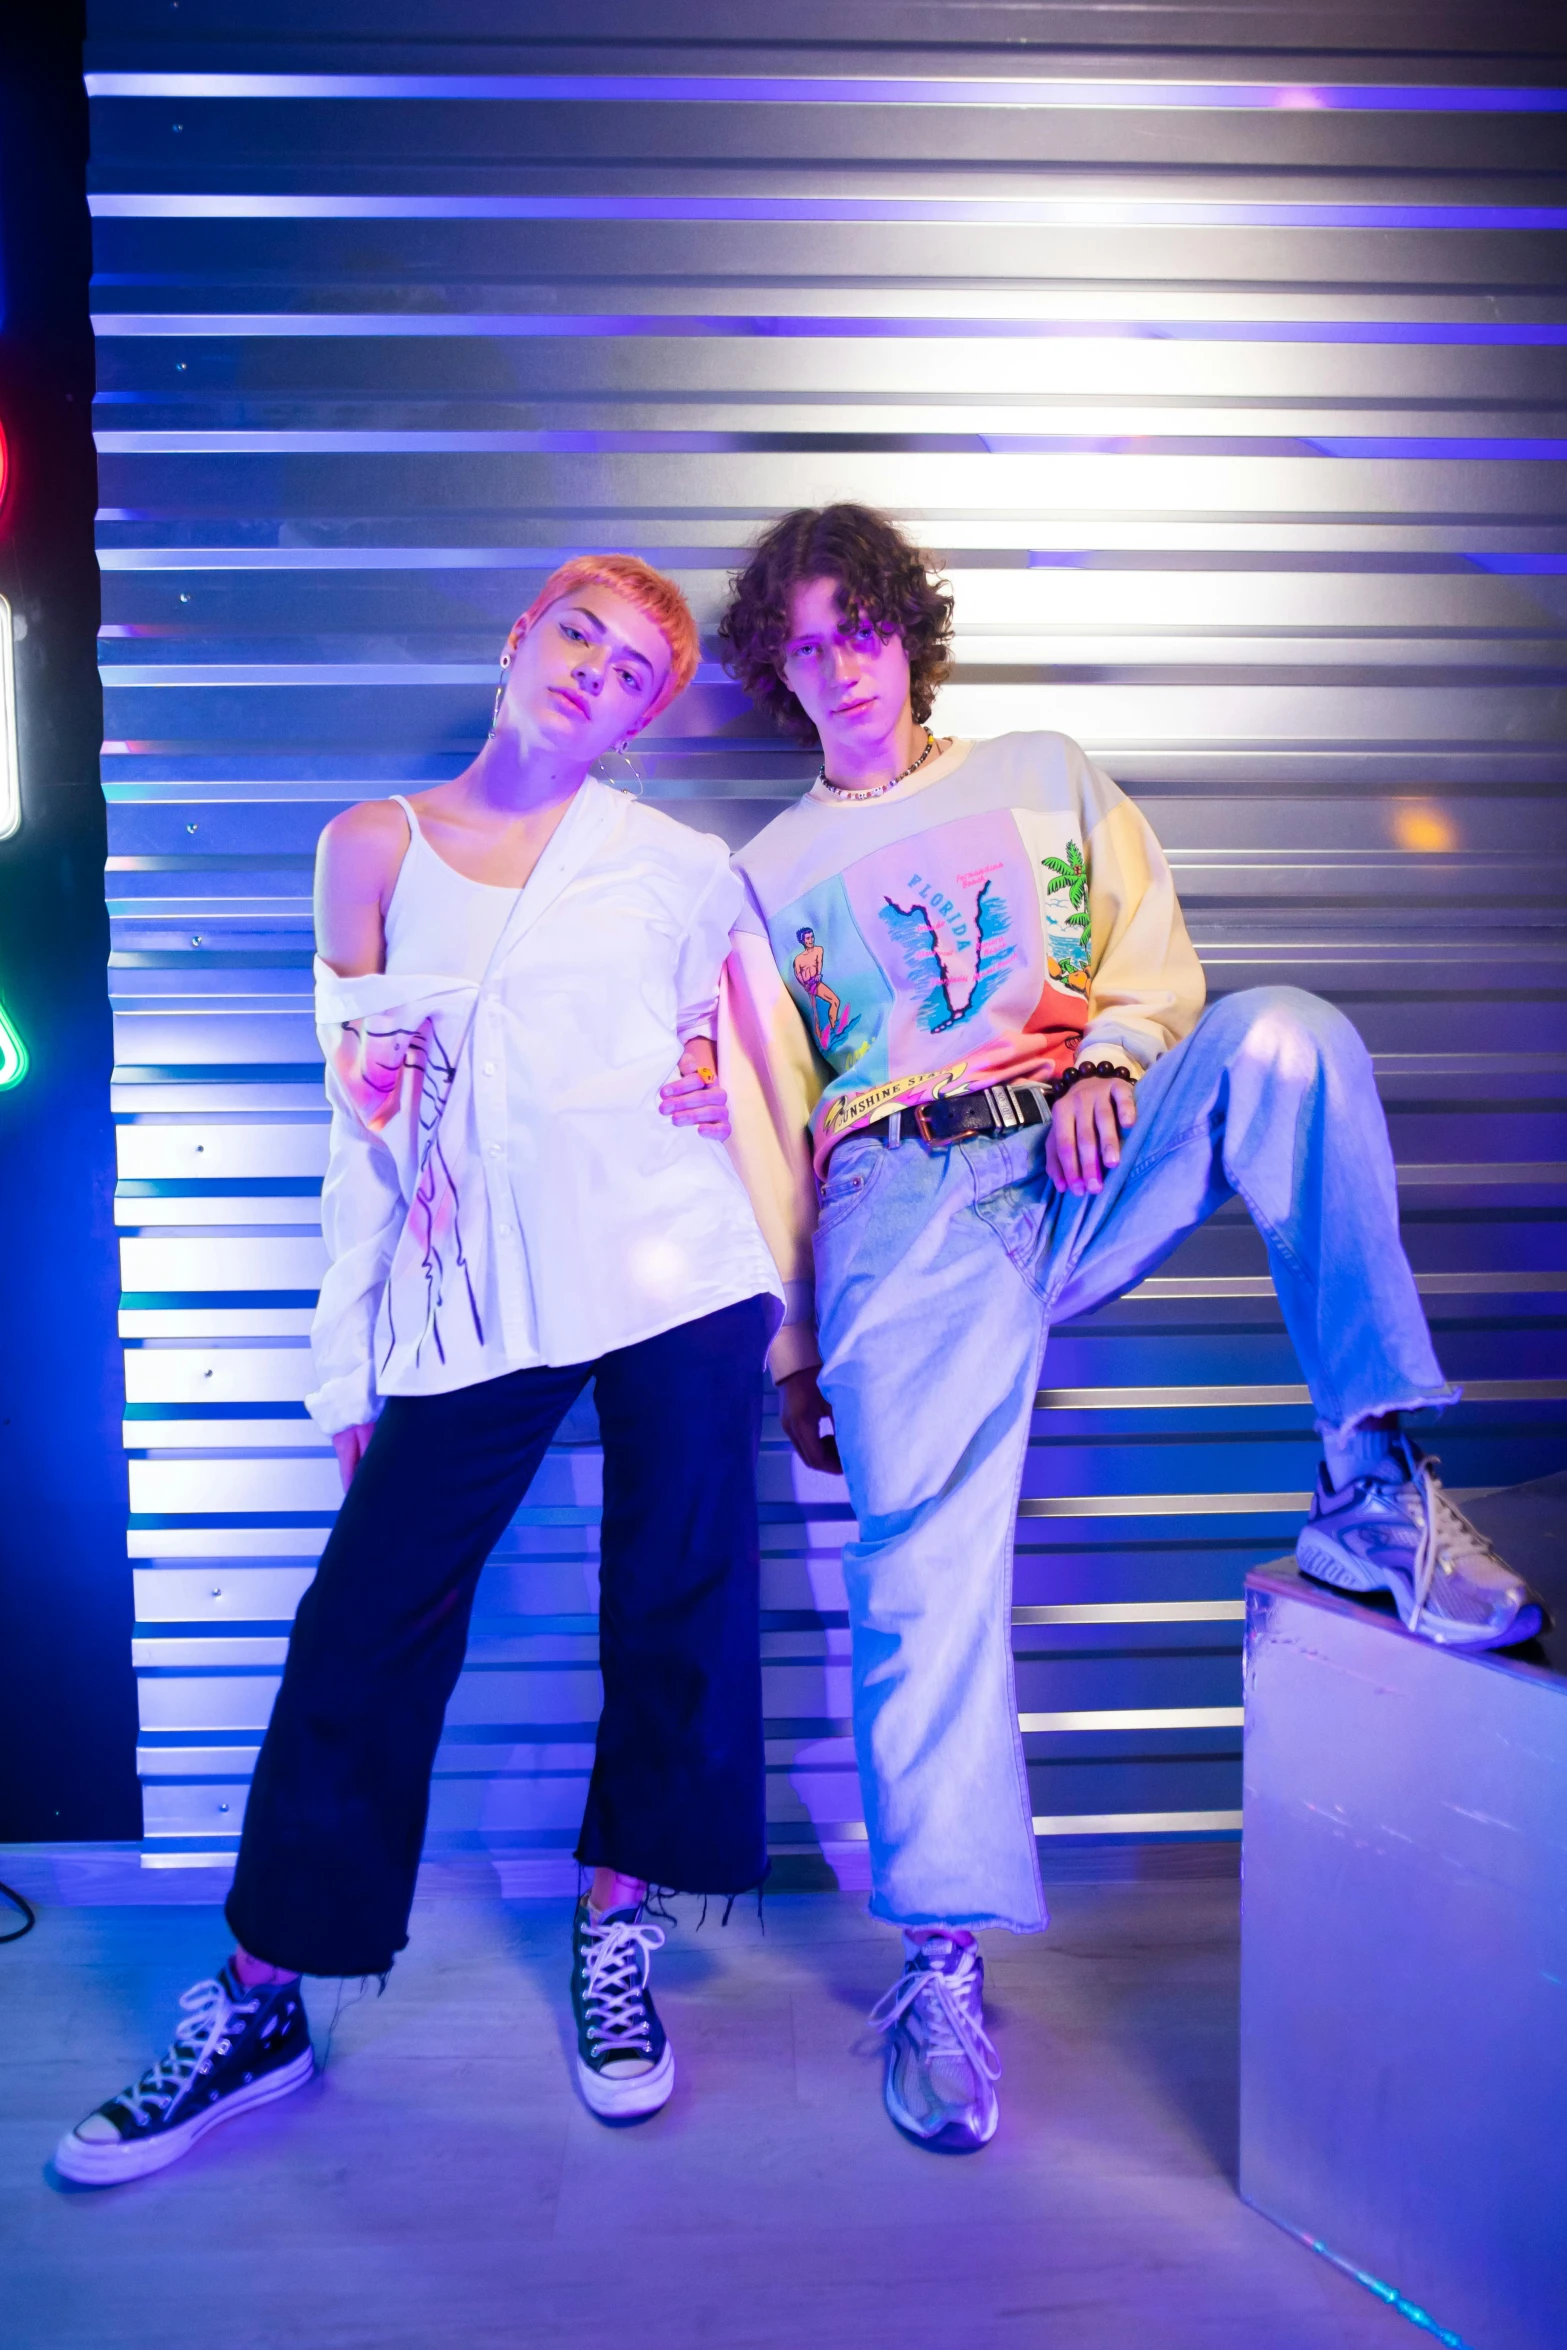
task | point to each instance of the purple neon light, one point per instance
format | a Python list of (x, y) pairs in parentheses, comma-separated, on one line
[(610, 323), (1125, 559), (225, 443), (725, 558), (1000, 211), (190, 673), (845, 90)]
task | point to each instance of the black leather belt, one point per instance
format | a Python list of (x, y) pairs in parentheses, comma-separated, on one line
[(1000, 1109)]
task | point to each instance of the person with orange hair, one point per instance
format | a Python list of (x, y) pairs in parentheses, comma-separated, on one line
[(516, 989)]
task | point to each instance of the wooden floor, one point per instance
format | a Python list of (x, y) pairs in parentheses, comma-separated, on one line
[(440, 2185)]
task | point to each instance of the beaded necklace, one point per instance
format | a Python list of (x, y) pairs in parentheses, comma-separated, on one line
[(875, 791)]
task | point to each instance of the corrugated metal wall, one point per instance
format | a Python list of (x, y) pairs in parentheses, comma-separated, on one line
[(1225, 373)]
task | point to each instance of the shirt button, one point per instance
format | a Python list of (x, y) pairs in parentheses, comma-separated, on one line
[(504, 1230), (489, 1068), (495, 1150)]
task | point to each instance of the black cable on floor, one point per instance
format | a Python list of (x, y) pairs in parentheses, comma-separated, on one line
[(29, 1914)]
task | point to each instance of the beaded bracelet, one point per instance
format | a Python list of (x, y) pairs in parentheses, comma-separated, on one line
[(1059, 1087)]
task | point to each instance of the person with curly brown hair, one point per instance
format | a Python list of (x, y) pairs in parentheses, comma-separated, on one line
[(1018, 1108)]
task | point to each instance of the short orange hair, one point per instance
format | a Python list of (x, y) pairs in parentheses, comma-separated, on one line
[(648, 590)]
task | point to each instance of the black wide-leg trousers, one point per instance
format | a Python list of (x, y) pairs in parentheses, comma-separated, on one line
[(337, 1809)]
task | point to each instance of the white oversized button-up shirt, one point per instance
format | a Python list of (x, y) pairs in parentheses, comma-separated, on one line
[(502, 1190)]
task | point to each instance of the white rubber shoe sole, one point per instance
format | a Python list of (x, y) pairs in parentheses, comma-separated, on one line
[(88, 2162), (1327, 1561), (628, 2101)]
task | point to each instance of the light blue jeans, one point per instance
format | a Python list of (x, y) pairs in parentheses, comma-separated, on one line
[(939, 1270)]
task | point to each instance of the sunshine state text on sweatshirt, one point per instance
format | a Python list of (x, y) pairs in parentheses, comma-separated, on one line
[(999, 917)]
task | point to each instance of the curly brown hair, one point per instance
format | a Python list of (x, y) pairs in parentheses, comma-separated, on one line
[(882, 579)]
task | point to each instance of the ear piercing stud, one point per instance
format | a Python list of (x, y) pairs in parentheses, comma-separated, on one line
[(500, 692)]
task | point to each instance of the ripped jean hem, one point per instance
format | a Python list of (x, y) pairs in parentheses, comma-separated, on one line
[(970, 1921), (1336, 1431)]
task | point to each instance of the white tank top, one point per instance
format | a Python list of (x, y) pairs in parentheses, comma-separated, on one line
[(439, 920)]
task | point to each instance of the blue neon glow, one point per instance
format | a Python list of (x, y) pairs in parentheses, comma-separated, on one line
[(840, 90), (1388, 2293)]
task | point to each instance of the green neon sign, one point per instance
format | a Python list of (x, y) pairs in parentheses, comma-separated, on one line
[(13, 1053)]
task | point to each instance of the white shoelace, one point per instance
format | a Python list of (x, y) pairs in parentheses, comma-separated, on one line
[(616, 1959), (211, 2011), (949, 2012), (1425, 1485), (1442, 1528)]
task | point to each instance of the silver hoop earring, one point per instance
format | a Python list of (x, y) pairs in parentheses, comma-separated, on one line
[(634, 786)]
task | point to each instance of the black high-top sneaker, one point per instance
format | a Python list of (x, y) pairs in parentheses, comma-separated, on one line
[(238, 2046), (625, 2064)]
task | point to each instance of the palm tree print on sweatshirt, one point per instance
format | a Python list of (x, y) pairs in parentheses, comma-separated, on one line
[(1071, 932)]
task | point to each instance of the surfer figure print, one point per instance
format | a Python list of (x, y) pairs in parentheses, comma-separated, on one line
[(830, 1016)]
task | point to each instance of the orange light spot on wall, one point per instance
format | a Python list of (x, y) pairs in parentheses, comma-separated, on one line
[(1425, 830)]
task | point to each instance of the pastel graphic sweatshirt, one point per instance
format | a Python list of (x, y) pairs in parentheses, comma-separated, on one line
[(1000, 917)]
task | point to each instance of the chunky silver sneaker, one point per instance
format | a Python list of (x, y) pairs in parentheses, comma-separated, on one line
[(625, 2065), (941, 2067), (1395, 1530)]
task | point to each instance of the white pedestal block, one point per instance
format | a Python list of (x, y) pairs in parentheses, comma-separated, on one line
[(1404, 1962)]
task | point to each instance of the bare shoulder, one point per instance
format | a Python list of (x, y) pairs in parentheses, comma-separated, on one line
[(361, 850)]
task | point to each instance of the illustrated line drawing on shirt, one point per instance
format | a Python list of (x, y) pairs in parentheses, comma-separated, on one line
[(952, 950), (417, 1056)]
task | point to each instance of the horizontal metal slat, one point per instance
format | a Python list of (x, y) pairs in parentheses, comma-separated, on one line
[(1255, 1398), (228, 1264), (187, 1209), (1140, 1823), (212, 1153)]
